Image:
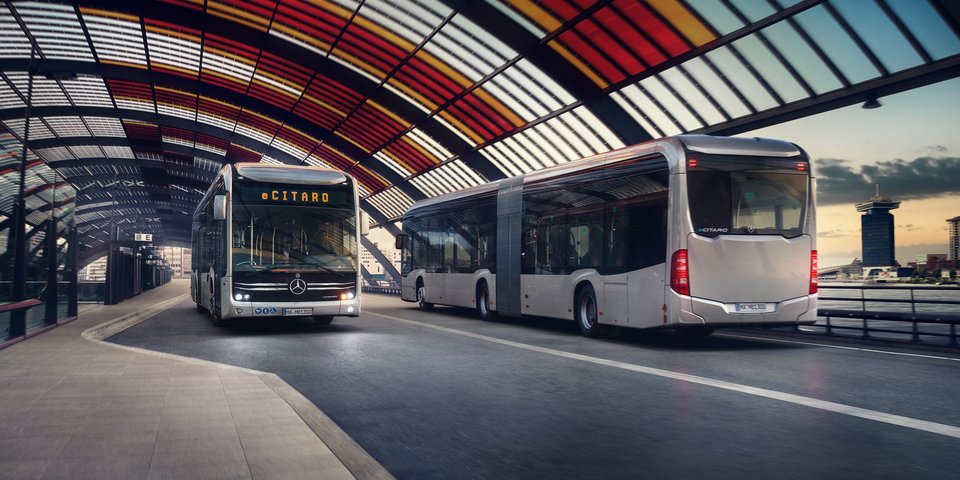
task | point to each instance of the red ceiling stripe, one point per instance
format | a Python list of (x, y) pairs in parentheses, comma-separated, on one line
[(562, 9), (334, 93), (600, 38), (283, 68), (411, 156), (268, 125), (630, 36), (130, 89), (651, 24), (333, 158), (320, 116), (227, 45), (230, 83), (297, 138), (316, 22), (227, 111), (465, 114), (212, 141), (238, 153), (177, 132), (271, 96), (185, 4), (142, 131), (587, 51), (373, 183), (171, 26)]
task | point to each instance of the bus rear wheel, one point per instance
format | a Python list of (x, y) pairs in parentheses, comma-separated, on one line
[(483, 303), (585, 313), (421, 298)]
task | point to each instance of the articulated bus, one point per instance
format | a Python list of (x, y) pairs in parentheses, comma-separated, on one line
[(278, 240), (687, 233)]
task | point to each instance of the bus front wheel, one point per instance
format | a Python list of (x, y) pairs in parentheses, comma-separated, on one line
[(483, 303), (421, 298), (585, 313)]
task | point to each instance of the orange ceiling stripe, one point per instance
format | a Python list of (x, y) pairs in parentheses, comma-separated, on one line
[(684, 21), (412, 93), (499, 106), (388, 113), (539, 16), (399, 161), (123, 64), (107, 13), (326, 106), (578, 64), (244, 17), (351, 140)]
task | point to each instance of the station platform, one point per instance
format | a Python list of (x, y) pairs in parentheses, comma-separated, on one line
[(73, 406)]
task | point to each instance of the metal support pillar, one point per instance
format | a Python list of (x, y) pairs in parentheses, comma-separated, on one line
[(18, 318), (111, 290), (72, 274), (52, 292)]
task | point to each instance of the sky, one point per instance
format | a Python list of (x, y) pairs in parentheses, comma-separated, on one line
[(910, 146)]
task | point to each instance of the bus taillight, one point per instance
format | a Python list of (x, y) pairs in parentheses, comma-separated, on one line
[(679, 272), (814, 283)]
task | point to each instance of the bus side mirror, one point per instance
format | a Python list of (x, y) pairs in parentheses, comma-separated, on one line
[(400, 240), (220, 207), (364, 224)]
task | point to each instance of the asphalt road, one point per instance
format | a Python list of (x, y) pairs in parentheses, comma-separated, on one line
[(444, 395)]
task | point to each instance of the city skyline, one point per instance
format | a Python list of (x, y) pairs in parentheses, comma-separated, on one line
[(910, 146)]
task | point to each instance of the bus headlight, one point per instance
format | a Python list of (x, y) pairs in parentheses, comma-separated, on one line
[(238, 297), (347, 295), (241, 296)]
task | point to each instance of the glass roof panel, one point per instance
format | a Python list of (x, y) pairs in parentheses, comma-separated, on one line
[(452, 177), (55, 154), (841, 49), (879, 33), (691, 96), (802, 56), (717, 15), (13, 43), (67, 126), (315, 27), (117, 38), (671, 105), (86, 151), (173, 49), (392, 202), (88, 91), (514, 15), (56, 29), (754, 10), (45, 92), (426, 142), (9, 98), (928, 26), (104, 126), (392, 164), (738, 74), (38, 129), (228, 63), (773, 71), (118, 152)]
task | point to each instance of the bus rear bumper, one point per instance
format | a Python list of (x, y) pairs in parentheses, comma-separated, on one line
[(799, 310)]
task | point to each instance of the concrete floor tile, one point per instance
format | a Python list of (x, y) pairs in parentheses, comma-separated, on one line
[(110, 444), (23, 469), (232, 471), (98, 468), (19, 448)]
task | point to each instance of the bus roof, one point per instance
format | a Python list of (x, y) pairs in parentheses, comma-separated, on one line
[(295, 174), (698, 143)]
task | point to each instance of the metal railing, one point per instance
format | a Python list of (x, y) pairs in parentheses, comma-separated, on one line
[(884, 309)]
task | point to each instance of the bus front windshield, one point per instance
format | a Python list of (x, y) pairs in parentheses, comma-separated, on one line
[(299, 237), (747, 195)]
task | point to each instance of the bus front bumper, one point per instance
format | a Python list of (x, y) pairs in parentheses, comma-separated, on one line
[(333, 308)]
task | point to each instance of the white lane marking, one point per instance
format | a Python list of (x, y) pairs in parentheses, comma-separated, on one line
[(871, 350), (923, 425)]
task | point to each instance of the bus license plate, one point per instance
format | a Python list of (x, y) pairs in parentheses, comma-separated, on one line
[(753, 307), (288, 312)]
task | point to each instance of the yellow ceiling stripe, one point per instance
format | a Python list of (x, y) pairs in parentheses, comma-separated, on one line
[(684, 21), (388, 113), (351, 140), (455, 121), (399, 162), (107, 13), (576, 62), (539, 16), (249, 19), (412, 93), (123, 64), (174, 33), (499, 106)]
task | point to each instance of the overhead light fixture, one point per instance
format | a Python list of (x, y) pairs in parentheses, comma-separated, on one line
[(871, 102)]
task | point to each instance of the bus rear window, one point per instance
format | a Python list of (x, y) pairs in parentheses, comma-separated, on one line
[(747, 196)]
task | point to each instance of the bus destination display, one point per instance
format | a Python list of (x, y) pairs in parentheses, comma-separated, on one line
[(293, 195)]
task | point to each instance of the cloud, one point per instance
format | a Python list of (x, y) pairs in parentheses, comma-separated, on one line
[(839, 183), (835, 233)]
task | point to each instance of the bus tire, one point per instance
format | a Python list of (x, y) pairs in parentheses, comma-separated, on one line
[(218, 321), (200, 308), (483, 303), (585, 313), (421, 297), (323, 319)]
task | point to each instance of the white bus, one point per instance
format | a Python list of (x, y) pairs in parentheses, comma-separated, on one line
[(689, 233), (278, 240)]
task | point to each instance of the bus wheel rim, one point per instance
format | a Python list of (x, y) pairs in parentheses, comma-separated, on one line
[(586, 318), (482, 304)]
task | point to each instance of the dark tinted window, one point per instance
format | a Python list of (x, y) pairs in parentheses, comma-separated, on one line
[(454, 238), (747, 195)]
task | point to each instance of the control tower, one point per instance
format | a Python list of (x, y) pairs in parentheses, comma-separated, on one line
[(876, 230)]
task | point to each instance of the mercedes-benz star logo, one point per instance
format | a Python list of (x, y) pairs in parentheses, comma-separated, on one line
[(298, 286)]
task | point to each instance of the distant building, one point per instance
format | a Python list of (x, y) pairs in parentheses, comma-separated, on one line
[(96, 271), (954, 245), (177, 258), (876, 230), (373, 265)]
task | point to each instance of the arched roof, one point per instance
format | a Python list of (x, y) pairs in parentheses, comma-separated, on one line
[(420, 98)]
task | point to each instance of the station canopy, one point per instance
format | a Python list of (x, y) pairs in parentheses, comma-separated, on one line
[(138, 104)]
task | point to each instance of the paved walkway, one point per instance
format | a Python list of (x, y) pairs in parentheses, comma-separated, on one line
[(74, 407)]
